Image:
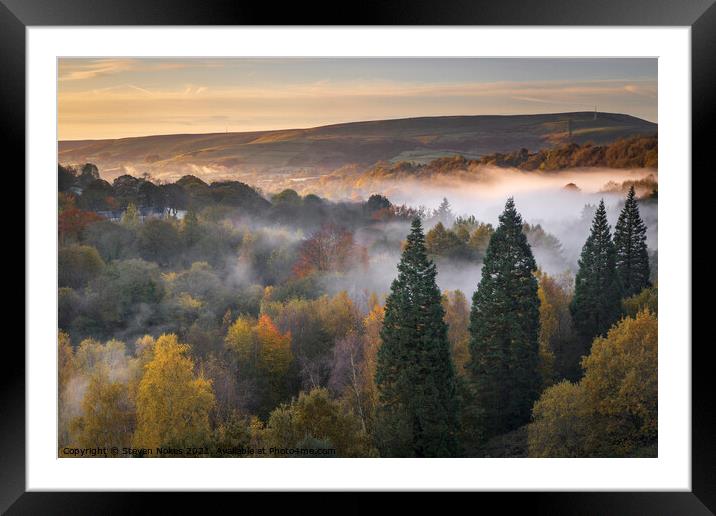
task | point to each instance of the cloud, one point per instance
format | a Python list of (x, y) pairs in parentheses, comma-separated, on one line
[(77, 70)]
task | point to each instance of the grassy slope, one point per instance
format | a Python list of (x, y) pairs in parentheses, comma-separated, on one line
[(362, 143)]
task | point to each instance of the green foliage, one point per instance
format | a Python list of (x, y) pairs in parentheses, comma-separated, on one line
[(127, 289), (97, 195), (504, 329), (597, 300), (113, 241), (159, 241), (418, 408), (631, 255), (77, 265), (443, 242)]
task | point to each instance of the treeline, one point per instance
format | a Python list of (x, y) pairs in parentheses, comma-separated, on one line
[(223, 330), (636, 152), (425, 410)]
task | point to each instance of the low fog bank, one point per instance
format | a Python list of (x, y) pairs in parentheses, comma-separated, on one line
[(541, 198)]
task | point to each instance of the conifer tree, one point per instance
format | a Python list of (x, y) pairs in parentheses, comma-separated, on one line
[(504, 330), (417, 413), (596, 304), (631, 255)]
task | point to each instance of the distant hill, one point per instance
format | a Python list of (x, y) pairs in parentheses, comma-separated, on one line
[(326, 148)]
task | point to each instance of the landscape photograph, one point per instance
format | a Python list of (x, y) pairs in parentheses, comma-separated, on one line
[(288, 257)]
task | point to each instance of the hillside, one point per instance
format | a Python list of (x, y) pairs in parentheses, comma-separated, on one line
[(322, 149)]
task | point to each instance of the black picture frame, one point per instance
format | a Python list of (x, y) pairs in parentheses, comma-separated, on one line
[(700, 15)]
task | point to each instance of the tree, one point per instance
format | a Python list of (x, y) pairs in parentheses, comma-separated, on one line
[(113, 241), (315, 416), (504, 329), (130, 217), (480, 239), (98, 195), (331, 249), (418, 410), (173, 404), (457, 317), (443, 242), (647, 298), (263, 357), (72, 223), (444, 213), (612, 410), (66, 177), (631, 254), (107, 413), (78, 264), (88, 173), (190, 229), (597, 301), (127, 292), (159, 241), (560, 354)]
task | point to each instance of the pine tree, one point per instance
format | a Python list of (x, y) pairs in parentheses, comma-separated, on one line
[(444, 213), (597, 301), (631, 254), (418, 411), (504, 330)]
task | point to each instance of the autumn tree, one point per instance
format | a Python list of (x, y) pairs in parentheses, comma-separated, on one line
[(66, 372), (631, 254), (314, 416), (173, 403), (597, 301), (480, 239), (73, 222), (130, 217), (264, 356), (440, 241), (612, 410), (77, 265), (560, 353), (457, 318), (646, 299), (107, 413), (331, 249), (504, 329), (418, 408)]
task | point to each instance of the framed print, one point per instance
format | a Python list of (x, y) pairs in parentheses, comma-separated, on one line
[(426, 243)]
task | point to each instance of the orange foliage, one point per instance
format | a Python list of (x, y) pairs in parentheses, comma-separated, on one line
[(73, 221)]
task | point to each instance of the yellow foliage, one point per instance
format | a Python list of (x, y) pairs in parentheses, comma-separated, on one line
[(107, 413), (612, 411), (620, 378), (315, 415), (65, 360), (338, 315), (457, 317), (173, 404)]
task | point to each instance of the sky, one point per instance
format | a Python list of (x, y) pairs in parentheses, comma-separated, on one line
[(102, 98)]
